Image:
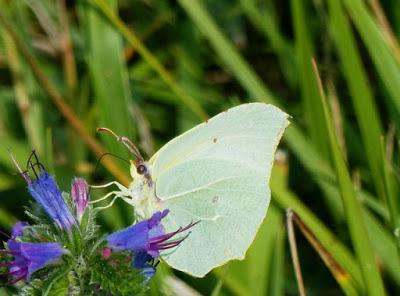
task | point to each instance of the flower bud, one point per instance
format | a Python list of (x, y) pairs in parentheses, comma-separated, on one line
[(80, 196)]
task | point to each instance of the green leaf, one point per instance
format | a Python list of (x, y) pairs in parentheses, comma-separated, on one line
[(116, 275), (57, 284)]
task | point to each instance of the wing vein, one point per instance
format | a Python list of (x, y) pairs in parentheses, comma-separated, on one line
[(205, 186)]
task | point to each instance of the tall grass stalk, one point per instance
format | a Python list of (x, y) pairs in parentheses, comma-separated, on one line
[(352, 207)]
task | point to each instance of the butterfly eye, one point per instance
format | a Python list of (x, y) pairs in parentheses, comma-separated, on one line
[(141, 169)]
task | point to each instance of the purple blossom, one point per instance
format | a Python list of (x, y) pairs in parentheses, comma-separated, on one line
[(80, 196), (47, 194), (146, 239), (18, 229), (28, 257)]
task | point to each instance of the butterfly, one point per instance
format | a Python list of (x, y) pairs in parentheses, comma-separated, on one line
[(216, 173)]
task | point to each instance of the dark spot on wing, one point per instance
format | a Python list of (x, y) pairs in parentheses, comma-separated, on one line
[(215, 140), (215, 199)]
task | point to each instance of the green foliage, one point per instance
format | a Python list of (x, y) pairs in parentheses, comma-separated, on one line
[(56, 283), (151, 69), (118, 266)]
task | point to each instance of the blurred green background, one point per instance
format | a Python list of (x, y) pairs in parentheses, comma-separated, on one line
[(151, 69)]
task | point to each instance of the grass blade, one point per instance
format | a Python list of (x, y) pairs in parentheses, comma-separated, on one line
[(381, 238), (294, 253), (391, 198), (361, 94), (225, 50), (352, 207), (59, 102), (30, 113), (265, 22), (286, 199), (384, 245), (335, 268), (276, 280), (362, 97), (218, 287), (109, 75), (131, 37), (309, 88), (378, 47)]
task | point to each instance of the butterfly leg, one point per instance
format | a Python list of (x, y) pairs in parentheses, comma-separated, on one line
[(105, 197), (117, 195), (119, 185), (123, 191)]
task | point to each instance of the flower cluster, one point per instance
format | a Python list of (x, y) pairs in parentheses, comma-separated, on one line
[(65, 240)]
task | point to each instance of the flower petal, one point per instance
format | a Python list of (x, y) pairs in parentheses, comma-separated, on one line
[(47, 194), (39, 255), (18, 229)]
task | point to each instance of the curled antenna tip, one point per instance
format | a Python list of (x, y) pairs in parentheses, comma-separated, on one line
[(101, 129), (105, 129), (124, 140)]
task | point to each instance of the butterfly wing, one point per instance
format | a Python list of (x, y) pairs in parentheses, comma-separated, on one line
[(218, 173)]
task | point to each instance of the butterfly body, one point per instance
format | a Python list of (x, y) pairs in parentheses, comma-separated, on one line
[(142, 192)]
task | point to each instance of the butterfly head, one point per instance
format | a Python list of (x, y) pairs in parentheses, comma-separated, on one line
[(138, 165), (142, 189)]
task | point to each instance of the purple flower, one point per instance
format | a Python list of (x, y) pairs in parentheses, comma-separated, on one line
[(47, 194), (28, 257), (18, 229), (146, 239), (80, 196)]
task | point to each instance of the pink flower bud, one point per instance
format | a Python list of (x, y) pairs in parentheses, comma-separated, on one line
[(106, 253), (80, 196)]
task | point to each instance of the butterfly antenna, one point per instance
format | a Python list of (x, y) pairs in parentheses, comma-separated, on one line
[(106, 154), (33, 163), (124, 140)]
